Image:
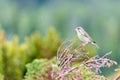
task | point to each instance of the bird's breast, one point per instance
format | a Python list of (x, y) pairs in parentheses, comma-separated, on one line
[(84, 39)]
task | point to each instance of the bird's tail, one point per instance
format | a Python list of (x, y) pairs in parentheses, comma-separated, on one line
[(95, 45)]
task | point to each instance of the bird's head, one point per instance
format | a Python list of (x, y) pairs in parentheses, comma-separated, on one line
[(77, 28)]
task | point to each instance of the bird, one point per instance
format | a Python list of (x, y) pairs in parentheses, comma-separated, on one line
[(84, 36)]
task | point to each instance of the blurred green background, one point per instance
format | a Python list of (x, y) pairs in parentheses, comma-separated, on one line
[(100, 18)]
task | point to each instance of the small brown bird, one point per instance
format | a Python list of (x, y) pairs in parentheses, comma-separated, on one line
[(84, 37)]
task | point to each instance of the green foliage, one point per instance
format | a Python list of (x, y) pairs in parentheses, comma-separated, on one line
[(1, 77), (14, 56), (41, 70), (66, 65), (25, 17), (44, 48)]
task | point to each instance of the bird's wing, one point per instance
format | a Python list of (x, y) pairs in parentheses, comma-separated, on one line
[(84, 33)]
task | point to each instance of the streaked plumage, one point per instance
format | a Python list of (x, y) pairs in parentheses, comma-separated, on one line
[(84, 37)]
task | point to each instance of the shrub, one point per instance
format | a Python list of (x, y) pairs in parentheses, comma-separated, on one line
[(69, 64), (14, 56)]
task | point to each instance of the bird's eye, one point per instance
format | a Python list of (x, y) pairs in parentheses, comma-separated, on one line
[(78, 28)]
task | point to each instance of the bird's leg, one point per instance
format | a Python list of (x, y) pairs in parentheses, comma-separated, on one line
[(81, 46)]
